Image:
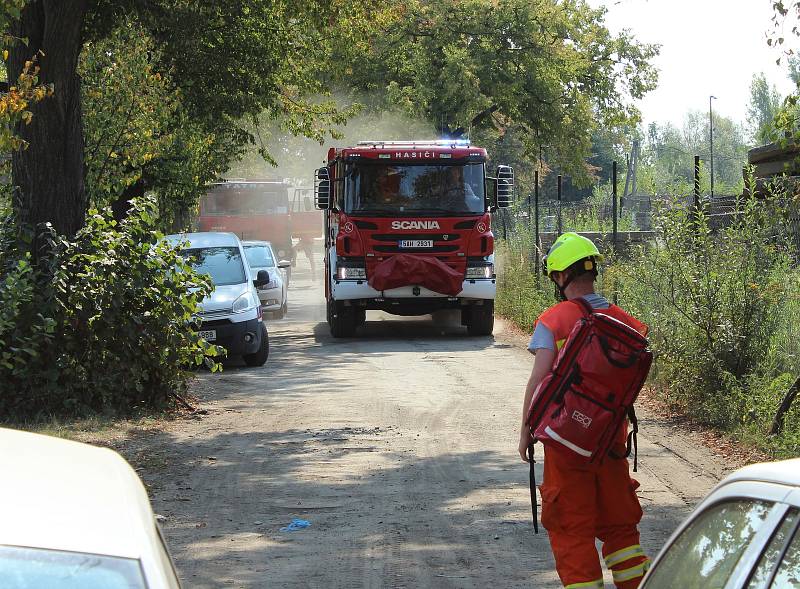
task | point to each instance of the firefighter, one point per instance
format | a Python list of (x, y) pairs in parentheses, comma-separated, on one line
[(388, 186), (582, 502)]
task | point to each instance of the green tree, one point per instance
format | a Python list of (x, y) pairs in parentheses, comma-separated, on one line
[(549, 72), (139, 135), (240, 60), (668, 153), (765, 103), (785, 15)]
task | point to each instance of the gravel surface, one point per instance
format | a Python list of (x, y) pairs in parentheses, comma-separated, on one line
[(398, 446)]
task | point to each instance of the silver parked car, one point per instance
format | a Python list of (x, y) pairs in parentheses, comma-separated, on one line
[(274, 294), (744, 535), (231, 315)]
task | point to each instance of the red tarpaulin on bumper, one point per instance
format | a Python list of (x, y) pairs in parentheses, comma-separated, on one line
[(410, 270)]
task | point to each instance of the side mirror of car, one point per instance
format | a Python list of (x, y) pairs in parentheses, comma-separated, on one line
[(504, 189), (322, 189), (262, 279), (284, 264)]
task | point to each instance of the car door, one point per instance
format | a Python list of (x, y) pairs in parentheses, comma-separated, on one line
[(721, 545)]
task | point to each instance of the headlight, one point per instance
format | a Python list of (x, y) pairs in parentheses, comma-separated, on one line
[(480, 272), (244, 303), (347, 273)]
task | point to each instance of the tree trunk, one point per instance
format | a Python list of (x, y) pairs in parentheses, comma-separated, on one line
[(49, 174), (786, 404)]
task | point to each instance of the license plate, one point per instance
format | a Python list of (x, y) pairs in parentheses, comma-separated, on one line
[(209, 335), (414, 243)]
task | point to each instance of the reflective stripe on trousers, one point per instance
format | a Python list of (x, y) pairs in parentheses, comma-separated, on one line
[(634, 572), (625, 554)]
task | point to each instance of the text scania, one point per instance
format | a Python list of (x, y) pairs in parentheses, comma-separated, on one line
[(415, 225)]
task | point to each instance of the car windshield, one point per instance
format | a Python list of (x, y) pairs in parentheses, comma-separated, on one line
[(33, 568), (223, 264), (388, 189), (259, 256)]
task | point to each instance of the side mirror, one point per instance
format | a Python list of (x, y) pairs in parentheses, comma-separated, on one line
[(322, 189), (262, 278), (504, 189), (284, 264)]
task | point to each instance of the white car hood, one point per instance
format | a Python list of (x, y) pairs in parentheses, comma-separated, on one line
[(222, 297)]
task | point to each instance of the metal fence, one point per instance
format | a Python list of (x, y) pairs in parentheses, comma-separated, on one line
[(617, 222)]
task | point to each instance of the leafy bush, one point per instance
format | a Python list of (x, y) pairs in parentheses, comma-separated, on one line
[(522, 291), (723, 306), (104, 326), (714, 301)]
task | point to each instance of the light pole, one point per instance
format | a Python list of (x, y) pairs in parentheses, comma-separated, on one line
[(711, 140)]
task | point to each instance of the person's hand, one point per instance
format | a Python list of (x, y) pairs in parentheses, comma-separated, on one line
[(525, 440)]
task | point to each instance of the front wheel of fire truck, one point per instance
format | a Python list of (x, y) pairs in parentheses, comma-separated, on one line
[(480, 320), (342, 320)]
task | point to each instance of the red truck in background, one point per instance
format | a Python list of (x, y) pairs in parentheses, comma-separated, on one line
[(408, 231), (252, 209)]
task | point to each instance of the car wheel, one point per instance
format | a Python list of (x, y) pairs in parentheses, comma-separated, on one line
[(259, 357)]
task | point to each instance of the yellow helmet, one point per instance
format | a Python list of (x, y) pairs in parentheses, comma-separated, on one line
[(568, 249)]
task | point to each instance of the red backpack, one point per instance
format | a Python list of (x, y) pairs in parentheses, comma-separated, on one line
[(582, 403)]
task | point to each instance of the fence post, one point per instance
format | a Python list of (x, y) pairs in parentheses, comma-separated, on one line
[(614, 201), (536, 244), (614, 227), (696, 204), (529, 209), (558, 196)]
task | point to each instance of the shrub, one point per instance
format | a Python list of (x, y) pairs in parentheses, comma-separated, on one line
[(723, 306), (715, 301), (104, 326), (522, 291)]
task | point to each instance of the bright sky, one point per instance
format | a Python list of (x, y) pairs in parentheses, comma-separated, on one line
[(709, 47)]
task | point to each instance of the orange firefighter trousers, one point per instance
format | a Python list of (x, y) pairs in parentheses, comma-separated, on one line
[(582, 502)]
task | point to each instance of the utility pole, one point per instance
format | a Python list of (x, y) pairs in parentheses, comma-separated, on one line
[(711, 140), (536, 210), (558, 196), (614, 201)]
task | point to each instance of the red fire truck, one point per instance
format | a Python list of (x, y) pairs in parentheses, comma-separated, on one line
[(408, 231), (252, 209)]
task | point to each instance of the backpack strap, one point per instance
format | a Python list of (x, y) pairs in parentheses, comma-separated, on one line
[(532, 481), (632, 437), (632, 444)]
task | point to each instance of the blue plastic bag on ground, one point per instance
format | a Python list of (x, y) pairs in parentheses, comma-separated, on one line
[(297, 524)]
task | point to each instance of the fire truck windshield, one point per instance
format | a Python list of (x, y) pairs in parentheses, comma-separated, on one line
[(246, 198), (384, 188)]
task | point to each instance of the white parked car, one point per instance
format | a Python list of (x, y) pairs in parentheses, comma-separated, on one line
[(274, 294), (231, 314), (75, 516), (744, 535)]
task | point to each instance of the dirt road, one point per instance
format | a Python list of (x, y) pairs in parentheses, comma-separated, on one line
[(399, 446)]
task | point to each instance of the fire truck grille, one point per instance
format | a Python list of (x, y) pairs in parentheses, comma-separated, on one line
[(394, 249), (398, 237)]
